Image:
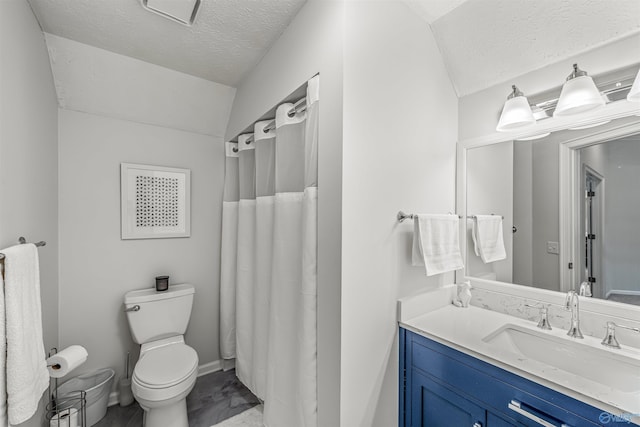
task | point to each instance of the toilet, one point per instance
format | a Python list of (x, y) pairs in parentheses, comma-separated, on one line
[(167, 368)]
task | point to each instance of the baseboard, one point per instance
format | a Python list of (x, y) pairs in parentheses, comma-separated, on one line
[(209, 368), (204, 369), (114, 398)]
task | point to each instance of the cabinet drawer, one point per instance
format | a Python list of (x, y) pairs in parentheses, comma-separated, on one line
[(493, 387)]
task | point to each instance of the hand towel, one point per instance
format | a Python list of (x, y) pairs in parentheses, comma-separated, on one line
[(488, 239), (436, 243), (26, 369)]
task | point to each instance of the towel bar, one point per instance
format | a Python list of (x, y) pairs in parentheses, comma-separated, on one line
[(22, 241), (475, 216), (402, 216)]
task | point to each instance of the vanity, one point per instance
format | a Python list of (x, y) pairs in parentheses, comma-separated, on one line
[(480, 367), (495, 363)]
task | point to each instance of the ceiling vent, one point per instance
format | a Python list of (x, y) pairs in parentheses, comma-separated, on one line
[(182, 11)]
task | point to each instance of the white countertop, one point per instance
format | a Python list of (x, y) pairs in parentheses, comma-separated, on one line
[(464, 328)]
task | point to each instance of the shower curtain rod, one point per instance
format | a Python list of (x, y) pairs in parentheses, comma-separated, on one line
[(298, 107)]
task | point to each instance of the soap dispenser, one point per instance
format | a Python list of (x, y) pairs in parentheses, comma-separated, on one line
[(464, 294)]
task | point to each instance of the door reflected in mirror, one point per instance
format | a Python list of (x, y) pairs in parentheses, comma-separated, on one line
[(610, 220), (596, 223)]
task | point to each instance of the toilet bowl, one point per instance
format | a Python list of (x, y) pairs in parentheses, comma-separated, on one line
[(163, 377), (167, 368)]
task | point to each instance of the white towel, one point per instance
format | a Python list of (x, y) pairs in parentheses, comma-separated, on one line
[(436, 243), (488, 238), (27, 376)]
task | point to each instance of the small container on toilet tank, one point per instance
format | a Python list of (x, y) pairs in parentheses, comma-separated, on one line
[(162, 283)]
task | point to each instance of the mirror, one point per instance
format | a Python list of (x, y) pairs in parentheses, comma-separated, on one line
[(570, 209)]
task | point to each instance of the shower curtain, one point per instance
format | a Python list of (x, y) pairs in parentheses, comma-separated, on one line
[(268, 273)]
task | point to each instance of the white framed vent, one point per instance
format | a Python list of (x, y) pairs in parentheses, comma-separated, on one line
[(155, 201), (182, 11)]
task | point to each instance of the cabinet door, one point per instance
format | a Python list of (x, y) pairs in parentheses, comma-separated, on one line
[(433, 405)]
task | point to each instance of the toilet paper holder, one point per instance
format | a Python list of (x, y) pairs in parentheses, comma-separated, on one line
[(65, 411)]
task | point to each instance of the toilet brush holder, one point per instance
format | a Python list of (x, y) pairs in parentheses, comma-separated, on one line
[(125, 396)]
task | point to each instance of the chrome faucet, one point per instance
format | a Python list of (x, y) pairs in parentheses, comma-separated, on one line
[(610, 339), (585, 289), (571, 303), (543, 322)]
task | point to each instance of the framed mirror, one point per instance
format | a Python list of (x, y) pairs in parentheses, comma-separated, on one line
[(569, 205)]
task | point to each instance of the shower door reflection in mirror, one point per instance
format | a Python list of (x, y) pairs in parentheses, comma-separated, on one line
[(559, 238)]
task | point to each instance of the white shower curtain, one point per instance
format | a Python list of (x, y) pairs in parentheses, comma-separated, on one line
[(268, 274)]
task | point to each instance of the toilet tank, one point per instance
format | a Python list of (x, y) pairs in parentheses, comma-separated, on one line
[(160, 314)]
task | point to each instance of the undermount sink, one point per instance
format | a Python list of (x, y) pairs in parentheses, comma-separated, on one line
[(618, 371)]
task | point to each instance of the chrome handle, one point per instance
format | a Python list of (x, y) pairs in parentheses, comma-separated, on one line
[(543, 322), (477, 425), (514, 405), (630, 328), (134, 308)]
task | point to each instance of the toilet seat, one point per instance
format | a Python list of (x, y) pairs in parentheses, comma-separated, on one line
[(165, 366), (164, 372)]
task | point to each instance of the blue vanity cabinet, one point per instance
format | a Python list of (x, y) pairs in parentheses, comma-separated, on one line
[(442, 387)]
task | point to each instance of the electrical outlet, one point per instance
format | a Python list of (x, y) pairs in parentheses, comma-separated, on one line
[(553, 248)]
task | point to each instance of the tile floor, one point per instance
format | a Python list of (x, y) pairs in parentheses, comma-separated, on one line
[(214, 398)]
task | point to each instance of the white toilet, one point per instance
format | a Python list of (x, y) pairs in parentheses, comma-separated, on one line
[(167, 368)]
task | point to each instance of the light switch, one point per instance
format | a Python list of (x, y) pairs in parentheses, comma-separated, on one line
[(553, 248)]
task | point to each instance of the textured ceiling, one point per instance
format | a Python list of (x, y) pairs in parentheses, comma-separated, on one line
[(227, 40), (483, 42), (486, 42)]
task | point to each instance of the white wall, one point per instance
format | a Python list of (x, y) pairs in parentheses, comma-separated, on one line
[(523, 213), (490, 191), (622, 214), (108, 116), (400, 118), (97, 268), (311, 44), (546, 217), (28, 159), (101, 82)]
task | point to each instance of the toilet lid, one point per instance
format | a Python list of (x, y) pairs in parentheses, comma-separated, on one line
[(166, 366)]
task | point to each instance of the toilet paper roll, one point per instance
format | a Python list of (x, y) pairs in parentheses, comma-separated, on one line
[(65, 418), (65, 361)]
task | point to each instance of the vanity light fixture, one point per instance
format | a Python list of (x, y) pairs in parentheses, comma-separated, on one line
[(592, 125), (181, 11), (579, 94), (634, 93), (516, 112), (531, 138)]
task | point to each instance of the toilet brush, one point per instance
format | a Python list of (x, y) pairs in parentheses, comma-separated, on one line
[(125, 395)]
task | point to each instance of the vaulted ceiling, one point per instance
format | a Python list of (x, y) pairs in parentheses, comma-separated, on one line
[(486, 42), (228, 38), (483, 42)]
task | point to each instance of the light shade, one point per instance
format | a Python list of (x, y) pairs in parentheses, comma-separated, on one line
[(579, 94), (516, 112), (634, 93)]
